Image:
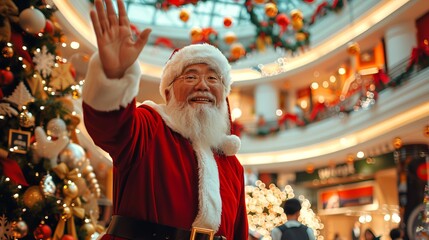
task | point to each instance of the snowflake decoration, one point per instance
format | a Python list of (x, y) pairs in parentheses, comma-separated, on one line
[(44, 62), (6, 232)]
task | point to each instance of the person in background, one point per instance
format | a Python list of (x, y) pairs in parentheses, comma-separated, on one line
[(292, 229), (356, 231), (396, 234), (175, 173), (369, 235)]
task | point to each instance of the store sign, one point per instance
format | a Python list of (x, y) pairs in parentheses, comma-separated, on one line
[(341, 199), (338, 171)]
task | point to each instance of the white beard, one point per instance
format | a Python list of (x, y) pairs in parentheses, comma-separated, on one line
[(204, 124)]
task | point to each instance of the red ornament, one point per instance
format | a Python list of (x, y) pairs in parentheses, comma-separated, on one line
[(227, 22), (67, 237), (6, 77), (43, 231), (49, 27), (308, 1), (283, 21)]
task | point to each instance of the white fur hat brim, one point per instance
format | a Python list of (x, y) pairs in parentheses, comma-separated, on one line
[(194, 54)]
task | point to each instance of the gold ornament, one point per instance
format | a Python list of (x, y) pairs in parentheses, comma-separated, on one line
[(299, 36), (271, 10), (397, 142), (66, 213), (87, 230), (26, 119), (259, 1), (296, 14), (196, 34), (70, 190), (19, 229), (237, 51), (230, 38), (426, 131), (32, 196), (297, 24), (353, 48), (7, 52), (184, 15)]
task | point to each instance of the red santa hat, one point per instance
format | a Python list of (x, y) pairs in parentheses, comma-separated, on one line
[(194, 54)]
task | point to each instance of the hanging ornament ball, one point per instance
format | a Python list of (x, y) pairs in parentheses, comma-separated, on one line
[(67, 237), (196, 34), (227, 21), (296, 14), (259, 1), (6, 77), (271, 10), (397, 142), (32, 20), (26, 119), (19, 229), (310, 168), (67, 213), (49, 27), (73, 156), (297, 24), (350, 159), (230, 38), (32, 196), (7, 52), (87, 230), (70, 190), (184, 15), (237, 50), (282, 20), (43, 231), (300, 36), (56, 128), (353, 48)]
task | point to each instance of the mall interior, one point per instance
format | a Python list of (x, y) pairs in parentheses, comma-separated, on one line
[(330, 100)]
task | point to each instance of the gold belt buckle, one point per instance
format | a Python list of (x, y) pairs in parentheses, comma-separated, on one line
[(206, 231)]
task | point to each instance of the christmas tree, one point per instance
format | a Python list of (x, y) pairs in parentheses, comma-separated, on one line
[(48, 188)]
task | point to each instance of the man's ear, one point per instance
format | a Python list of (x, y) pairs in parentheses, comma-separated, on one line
[(167, 95)]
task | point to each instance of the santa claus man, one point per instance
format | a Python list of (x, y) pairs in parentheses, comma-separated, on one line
[(175, 171)]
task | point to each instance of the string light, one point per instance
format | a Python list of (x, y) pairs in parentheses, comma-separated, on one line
[(265, 212)]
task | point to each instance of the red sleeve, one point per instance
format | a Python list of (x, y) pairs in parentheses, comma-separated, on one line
[(241, 227)]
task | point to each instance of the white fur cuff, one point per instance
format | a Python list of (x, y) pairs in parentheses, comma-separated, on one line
[(104, 94)]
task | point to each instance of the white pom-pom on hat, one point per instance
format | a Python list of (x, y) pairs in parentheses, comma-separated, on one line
[(230, 145), (195, 54)]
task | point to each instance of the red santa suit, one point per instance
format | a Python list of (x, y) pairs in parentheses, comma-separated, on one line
[(160, 176)]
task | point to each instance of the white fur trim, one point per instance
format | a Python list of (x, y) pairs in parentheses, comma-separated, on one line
[(210, 202), (231, 144), (104, 94), (193, 54)]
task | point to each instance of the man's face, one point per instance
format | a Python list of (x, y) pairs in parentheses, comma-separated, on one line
[(198, 85)]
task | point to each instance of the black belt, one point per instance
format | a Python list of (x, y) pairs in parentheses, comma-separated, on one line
[(130, 228)]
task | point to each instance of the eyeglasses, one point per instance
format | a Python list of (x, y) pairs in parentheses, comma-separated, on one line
[(192, 79)]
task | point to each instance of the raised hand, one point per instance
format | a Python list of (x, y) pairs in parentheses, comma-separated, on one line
[(116, 46)]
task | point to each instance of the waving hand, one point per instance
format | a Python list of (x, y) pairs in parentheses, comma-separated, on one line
[(116, 46)]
